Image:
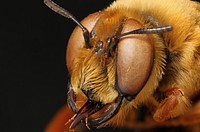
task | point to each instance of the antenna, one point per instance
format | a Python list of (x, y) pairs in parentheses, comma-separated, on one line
[(66, 14), (153, 30)]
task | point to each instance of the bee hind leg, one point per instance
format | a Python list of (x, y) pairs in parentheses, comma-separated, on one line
[(174, 105)]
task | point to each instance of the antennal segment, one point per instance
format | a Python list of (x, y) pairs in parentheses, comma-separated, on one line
[(66, 14), (153, 30)]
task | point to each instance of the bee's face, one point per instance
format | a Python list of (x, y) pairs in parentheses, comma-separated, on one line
[(101, 72), (109, 58), (120, 59), (94, 76)]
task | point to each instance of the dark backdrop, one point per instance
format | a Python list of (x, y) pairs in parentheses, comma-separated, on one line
[(33, 75)]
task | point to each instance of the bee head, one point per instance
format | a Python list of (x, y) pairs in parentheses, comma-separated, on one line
[(109, 60)]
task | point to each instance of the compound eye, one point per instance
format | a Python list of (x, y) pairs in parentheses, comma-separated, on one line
[(77, 41), (134, 60)]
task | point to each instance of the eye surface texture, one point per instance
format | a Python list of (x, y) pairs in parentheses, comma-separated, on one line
[(134, 59)]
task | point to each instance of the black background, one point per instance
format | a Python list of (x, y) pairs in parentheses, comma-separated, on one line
[(33, 75)]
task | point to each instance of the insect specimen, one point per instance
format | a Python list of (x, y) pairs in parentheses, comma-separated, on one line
[(134, 54)]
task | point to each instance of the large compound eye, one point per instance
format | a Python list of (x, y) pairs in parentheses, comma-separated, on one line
[(77, 41), (134, 59)]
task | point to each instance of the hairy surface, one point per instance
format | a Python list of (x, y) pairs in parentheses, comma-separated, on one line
[(170, 94), (176, 57), (95, 80), (181, 47), (173, 81)]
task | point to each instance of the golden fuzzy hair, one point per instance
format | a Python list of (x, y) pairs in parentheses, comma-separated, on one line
[(182, 46)]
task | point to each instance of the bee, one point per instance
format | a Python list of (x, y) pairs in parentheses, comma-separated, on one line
[(135, 55)]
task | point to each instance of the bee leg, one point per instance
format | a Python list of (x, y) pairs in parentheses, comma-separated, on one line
[(175, 104)]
